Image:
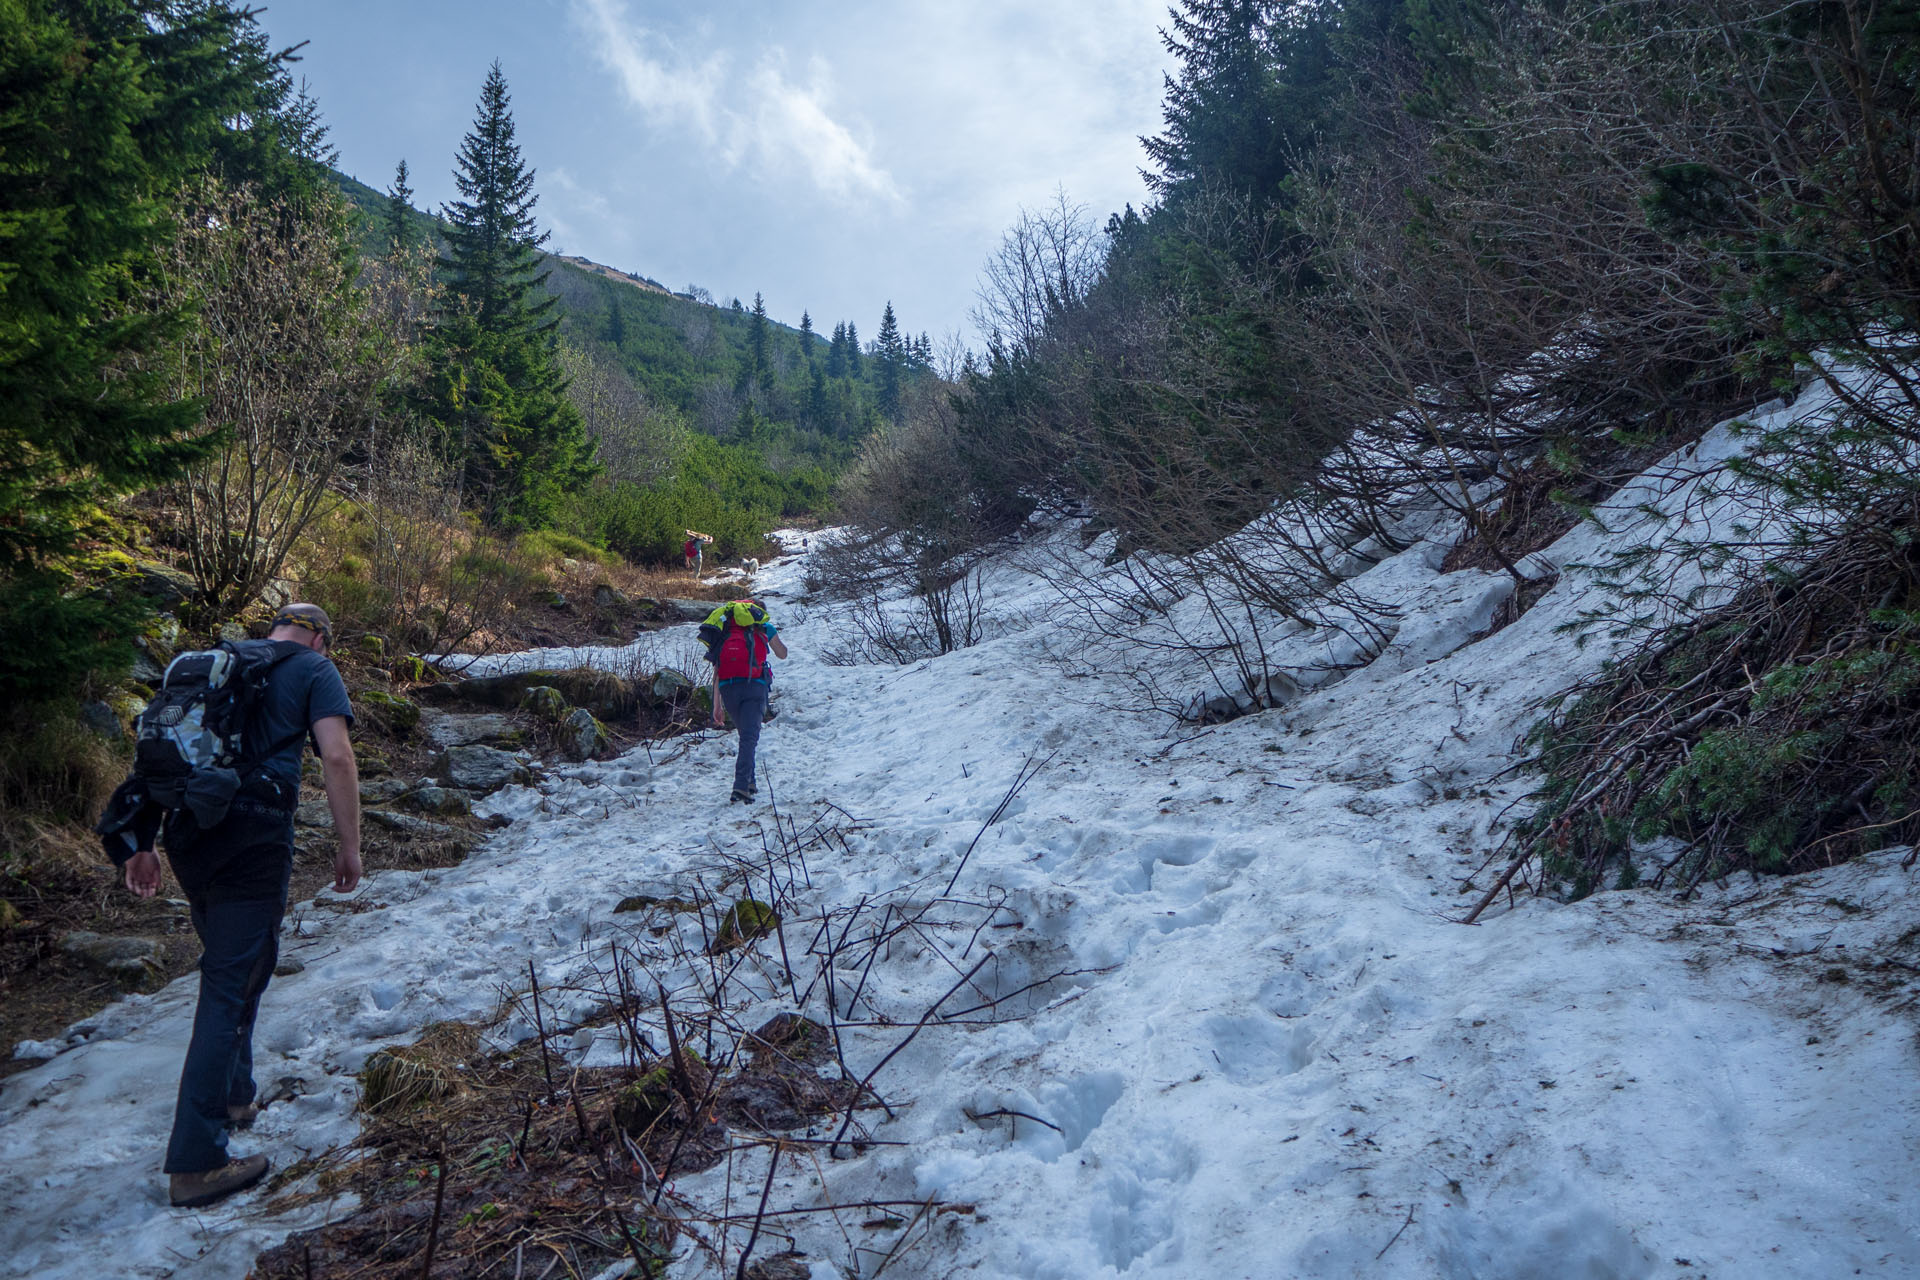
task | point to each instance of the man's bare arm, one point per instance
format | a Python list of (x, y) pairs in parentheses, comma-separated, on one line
[(341, 773)]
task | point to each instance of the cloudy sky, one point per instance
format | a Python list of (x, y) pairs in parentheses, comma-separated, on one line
[(831, 156)]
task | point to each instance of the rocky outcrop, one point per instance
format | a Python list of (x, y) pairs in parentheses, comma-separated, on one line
[(166, 586)]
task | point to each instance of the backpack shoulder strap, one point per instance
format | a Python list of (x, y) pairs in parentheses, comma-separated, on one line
[(260, 666)]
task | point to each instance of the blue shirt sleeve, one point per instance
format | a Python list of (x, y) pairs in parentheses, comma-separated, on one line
[(327, 695)]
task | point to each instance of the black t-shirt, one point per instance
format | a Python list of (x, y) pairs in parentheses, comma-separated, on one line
[(249, 856)]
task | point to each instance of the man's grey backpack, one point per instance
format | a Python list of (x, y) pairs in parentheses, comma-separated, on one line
[(190, 744)]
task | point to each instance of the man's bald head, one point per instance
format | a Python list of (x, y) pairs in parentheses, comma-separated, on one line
[(306, 624)]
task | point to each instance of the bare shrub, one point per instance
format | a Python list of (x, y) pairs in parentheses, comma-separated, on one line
[(1046, 262), (399, 559), (289, 356), (635, 440), (920, 521)]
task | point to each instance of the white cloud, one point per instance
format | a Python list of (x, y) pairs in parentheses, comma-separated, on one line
[(778, 128)]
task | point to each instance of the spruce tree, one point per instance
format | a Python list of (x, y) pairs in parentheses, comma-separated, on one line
[(493, 244), (806, 337), (109, 107), (892, 356), (498, 392), (1221, 116), (616, 324), (399, 214), (757, 333), (853, 350), (837, 352)]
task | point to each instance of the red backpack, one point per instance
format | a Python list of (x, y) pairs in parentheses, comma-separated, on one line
[(743, 653)]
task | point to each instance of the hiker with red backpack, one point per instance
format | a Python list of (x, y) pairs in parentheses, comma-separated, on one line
[(738, 636)]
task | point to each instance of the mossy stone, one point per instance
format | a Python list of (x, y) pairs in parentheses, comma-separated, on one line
[(396, 714), (545, 702)]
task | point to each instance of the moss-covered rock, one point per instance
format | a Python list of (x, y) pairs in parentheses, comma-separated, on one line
[(644, 1103), (668, 682), (128, 704), (605, 694), (745, 921), (447, 802), (373, 646), (394, 714), (544, 702), (166, 586), (582, 737), (412, 669), (371, 763)]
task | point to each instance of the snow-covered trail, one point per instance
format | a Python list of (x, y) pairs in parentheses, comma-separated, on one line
[(1274, 1054)]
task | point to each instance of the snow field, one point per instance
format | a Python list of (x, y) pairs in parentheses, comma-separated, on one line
[(1245, 1035)]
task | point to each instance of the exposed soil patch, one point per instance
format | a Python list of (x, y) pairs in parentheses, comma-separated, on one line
[(511, 1161)]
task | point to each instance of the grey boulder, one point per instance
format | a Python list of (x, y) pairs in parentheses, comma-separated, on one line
[(440, 800), (137, 959), (481, 769), (582, 737)]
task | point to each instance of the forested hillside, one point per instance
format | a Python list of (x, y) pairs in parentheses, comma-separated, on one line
[(755, 418)]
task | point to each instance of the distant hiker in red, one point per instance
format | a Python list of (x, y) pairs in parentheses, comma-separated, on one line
[(692, 552), (738, 637)]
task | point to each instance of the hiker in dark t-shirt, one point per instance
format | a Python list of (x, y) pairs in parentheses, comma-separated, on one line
[(235, 876)]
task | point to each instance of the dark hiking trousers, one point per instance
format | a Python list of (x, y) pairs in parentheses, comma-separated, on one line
[(235, 878), (746, 702), (241, 942)]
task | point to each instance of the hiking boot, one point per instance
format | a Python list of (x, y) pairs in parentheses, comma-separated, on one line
[(241, 1115), (742, 797), (192, 1190)]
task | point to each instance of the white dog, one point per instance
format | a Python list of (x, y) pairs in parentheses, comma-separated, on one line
[(750, 564)]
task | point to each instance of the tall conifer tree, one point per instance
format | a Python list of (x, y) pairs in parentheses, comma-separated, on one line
[(109, 107), (891, 353), (806, 337), (493, 254), (757, 334), (398, 222), (498, 390), (853, 350), (837, 352)]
